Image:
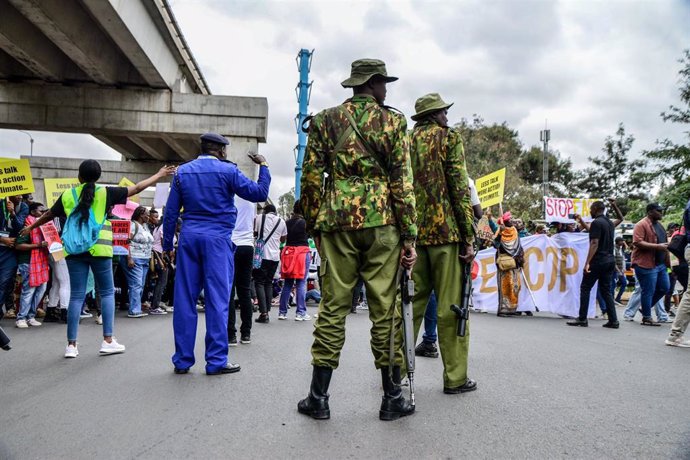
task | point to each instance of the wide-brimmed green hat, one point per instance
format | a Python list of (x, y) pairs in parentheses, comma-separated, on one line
[(364, 69), (427, 104)]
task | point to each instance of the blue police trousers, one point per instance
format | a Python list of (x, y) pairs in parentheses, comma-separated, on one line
[(203, 262)]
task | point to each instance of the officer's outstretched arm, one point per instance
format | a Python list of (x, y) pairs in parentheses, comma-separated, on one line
[(252, 191)]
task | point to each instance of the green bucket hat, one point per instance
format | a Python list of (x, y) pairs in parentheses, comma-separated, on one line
[(364, 69), (427, 104)]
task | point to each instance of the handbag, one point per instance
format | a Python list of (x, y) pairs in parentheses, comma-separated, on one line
[(506, 262)]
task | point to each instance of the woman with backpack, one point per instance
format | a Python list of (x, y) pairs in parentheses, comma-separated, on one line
[(88, 241), (136, 265)]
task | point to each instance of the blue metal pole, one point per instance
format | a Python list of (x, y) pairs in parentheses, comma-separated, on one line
[(303, 93)]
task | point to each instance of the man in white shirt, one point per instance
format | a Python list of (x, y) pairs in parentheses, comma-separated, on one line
[(270, 228), (243, 237)]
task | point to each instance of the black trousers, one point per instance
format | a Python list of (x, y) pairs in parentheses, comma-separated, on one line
[(263, 282), (161, 284), (602, 272), (242, 285)]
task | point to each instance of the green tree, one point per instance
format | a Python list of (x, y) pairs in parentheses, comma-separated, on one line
[(286, 202), (671, 160), (613, 174), (561, 174)]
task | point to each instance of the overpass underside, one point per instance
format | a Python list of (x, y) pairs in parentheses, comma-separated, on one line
[(119, 70)]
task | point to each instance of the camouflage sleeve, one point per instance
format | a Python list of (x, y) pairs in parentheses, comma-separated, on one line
[(401, 180), (313, 168), (458, 186)]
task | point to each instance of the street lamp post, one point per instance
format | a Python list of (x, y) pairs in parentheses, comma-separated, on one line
[(31, 140)]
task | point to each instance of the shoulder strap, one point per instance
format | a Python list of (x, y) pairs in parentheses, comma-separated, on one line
[(367, 146), (272, 231)]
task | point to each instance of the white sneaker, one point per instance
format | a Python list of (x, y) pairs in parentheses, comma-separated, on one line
[(111, 348), (99, 319), (629, 318), (21, 324), (677, 342), (169, 309), (33, 322), (71, 351), (303, 317), (282, 316)]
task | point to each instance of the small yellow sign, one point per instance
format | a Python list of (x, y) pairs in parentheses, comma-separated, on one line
[(55, 187), (15, 178), (491, 187), (124, 182)]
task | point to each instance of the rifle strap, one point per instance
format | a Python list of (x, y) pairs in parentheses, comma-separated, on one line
[(391, 344)]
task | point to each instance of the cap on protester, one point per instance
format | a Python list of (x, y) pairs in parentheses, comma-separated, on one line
[(672, 226), (213, 137), (655, 207), (619, 239)]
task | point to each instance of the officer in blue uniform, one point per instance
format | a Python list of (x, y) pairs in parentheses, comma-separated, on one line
[(206, 189)]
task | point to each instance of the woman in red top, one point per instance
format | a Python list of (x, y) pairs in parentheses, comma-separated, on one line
[(294, 265)]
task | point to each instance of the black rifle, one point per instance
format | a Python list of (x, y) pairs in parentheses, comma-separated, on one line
[(407, 292), (463, 311), (4, 341)]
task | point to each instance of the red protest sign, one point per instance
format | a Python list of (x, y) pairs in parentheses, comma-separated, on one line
[(52, 237), (120, 237)]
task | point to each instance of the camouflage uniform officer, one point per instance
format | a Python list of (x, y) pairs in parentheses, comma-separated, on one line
[(446, 231), (363, 218)]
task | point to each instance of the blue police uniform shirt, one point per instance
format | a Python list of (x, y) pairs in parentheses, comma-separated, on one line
[(206, 188)]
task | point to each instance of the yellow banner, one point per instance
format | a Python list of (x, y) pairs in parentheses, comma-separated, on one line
[(490, 188), (128, 183), (15, 178), (55, 187)]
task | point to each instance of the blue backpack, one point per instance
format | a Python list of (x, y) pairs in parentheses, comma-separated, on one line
[(77, 236)]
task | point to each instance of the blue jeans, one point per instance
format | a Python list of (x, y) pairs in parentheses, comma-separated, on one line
[(623, 281), (31, 296), (430, 320), (8, 270), (136, 277), (654, 284), (300, 289), (635, 302), (102, 268), (314, 295)]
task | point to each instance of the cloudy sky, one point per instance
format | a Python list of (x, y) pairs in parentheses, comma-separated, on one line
[(584, 66)]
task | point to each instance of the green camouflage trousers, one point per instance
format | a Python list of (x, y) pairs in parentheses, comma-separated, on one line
[(438, 268), (373, 254)]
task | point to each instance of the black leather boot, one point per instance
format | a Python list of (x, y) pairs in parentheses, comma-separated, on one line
[(393, 405), (63, 315), (315, 404), (52, 315)]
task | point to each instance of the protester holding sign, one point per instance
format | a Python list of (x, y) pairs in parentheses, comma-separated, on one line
[(510, 258), (599, 267), (446, 234), (89, 241), (136, 264), (32, 257)]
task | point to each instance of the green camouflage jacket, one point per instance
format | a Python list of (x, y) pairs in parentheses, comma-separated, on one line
[(444, 213), (362, 190)]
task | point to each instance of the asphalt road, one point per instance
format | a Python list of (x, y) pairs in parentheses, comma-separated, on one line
[(545, 391)]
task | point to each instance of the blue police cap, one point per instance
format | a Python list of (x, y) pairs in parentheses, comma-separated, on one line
[(213, 137)]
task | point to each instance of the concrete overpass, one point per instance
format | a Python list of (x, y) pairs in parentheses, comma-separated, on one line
[(119, 70)]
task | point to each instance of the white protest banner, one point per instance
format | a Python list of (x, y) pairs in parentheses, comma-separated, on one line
[(161, 195), (553, 268), (560, 209)]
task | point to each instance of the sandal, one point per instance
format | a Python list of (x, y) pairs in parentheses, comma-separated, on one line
[(649, 322)]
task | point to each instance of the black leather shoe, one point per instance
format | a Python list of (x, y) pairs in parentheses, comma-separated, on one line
[(426, 350), (228, 369), (181, 371), (611, 325), (469, 385), (315, 405), (393, 405), (578, 322), (263, 318)]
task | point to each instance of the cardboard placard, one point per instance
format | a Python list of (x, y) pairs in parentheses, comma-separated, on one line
[(490, 188), (125, 211), (55, 187), (52, 237), (120, 237), (560, 209), (15, 178), (124, 182), (161, 195)]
